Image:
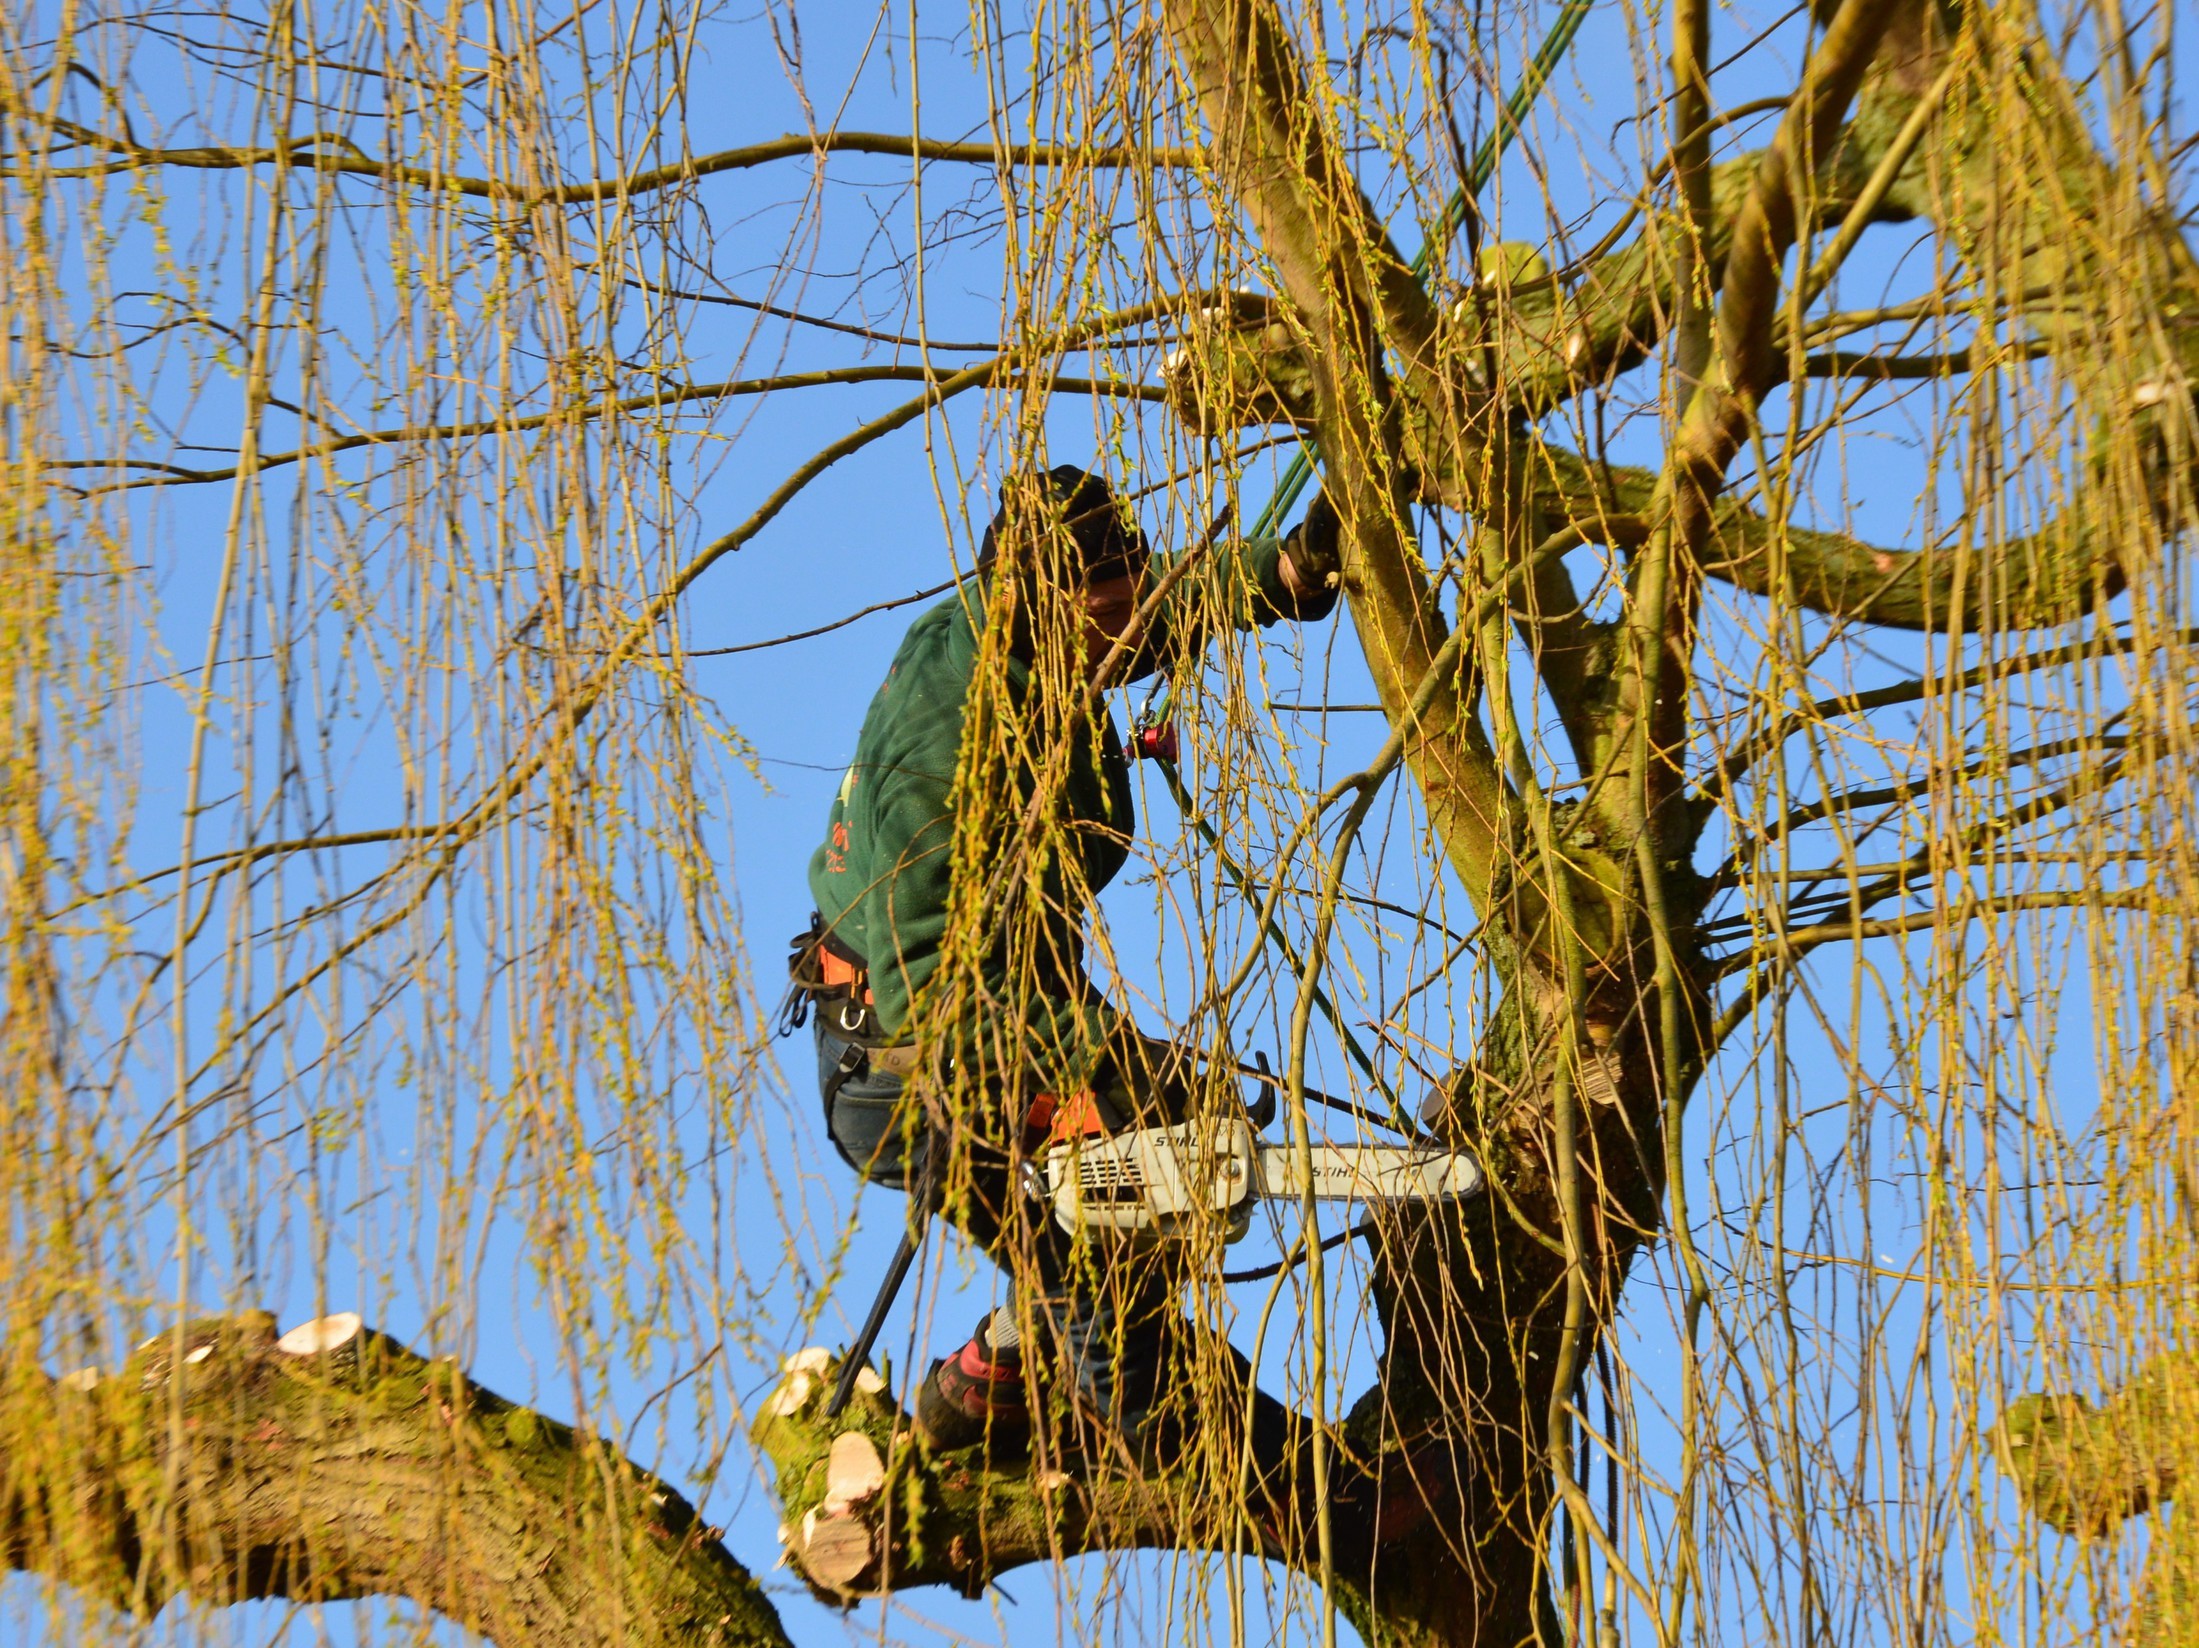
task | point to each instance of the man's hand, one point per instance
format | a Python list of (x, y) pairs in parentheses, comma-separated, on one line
[(1311, 567), (1310, 558), (1156, 1082)]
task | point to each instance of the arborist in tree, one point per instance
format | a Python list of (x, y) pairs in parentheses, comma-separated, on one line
[(886, 876)]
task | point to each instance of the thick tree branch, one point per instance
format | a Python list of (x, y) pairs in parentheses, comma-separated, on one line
[(2034, 580), (1534, 345), (866, 1510), (2029, 581), (1646, 759), (1280, 161), (226, 1464), (1357, 303), (1747, 362)]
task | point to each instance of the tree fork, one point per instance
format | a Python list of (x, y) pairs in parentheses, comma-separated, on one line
[(867, 1510)]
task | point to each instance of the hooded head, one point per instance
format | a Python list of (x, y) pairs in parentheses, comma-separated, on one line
[(1073, 550), (1106, 543)]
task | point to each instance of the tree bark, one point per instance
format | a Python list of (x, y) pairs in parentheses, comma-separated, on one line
[(225, 1464), (2084, 1468)]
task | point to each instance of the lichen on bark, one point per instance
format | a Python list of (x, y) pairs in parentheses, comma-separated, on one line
[(225, 1463)]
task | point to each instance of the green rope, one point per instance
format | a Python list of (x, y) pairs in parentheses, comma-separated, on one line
[(1479, 170)]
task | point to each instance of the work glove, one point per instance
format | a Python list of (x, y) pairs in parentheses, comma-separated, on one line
[(1311, 549), (1156, 1082)]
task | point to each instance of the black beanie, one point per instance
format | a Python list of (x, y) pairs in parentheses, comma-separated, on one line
[(1108, 545)]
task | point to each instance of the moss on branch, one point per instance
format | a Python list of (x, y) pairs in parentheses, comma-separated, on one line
[(865, 1509), (2084, 1468), (226, 1464)]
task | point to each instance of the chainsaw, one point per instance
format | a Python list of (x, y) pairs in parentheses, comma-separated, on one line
[(1160, 1180), (1164, 1181)]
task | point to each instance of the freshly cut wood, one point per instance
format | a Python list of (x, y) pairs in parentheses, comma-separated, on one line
[(853, 1470), (837, 1549), (791, 1396), (321, 1335)]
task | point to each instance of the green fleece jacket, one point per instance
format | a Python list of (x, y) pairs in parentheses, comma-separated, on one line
[(882, 876)]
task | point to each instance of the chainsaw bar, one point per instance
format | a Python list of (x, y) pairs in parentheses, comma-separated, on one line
[(1366, 1173)]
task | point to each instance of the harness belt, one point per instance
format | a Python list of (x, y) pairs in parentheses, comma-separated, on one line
[(846, 977), (826, 975)]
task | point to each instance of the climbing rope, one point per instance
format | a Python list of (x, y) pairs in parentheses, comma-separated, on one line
[(1150, 732)]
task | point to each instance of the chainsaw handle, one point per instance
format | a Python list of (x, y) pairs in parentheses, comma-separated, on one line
[(1261, 1111)]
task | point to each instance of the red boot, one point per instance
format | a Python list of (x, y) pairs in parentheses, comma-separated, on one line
[(976, 1395)]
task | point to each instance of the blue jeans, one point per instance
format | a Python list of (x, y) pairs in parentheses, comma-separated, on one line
[(1111, 1330), (884, 1142)]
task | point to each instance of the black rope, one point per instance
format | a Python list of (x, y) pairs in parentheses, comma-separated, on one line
[(1260, 1273)]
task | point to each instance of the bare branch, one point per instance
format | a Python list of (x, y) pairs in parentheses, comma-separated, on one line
[(1847, 803), (777, 311), (1787, 946), (1760, 744), (980, 375), (824, 629), (1856, 363), (326, 153)]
